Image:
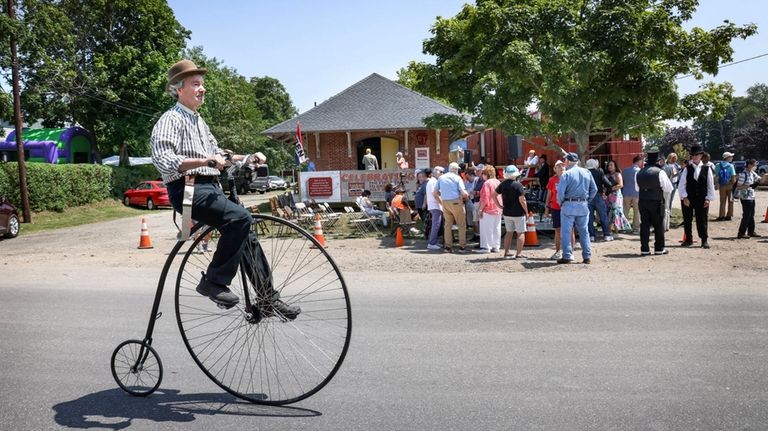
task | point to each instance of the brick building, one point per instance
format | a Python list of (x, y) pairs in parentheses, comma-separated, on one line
[(374, 113)]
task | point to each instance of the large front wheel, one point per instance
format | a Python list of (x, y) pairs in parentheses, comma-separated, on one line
[(250, 350)]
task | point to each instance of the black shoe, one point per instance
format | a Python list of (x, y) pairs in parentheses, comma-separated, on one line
[(661, 252), (720, 219), (743, 237), (587, 261), (704, 244), (563, 260), (727, 218), (754, 235), (279, 308), (217, 293), (686, 244)]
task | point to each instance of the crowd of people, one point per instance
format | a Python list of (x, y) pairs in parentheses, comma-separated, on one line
[(630, 201)]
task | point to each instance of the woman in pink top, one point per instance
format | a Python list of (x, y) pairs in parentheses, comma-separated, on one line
[(489, 213)]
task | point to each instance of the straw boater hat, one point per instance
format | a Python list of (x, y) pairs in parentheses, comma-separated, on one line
[(181, 70)]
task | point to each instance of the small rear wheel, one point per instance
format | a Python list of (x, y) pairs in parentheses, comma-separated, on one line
[(136, 368), (127, 201), (150, 204)]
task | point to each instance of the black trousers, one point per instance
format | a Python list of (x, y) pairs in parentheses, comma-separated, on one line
[(651, 214), (211, 206), (701, 213), (747, 224)]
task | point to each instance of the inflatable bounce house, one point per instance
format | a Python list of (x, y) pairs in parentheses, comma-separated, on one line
[(70, 145)]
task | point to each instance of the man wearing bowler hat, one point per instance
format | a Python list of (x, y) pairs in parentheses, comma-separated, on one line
[(186, 154), (697, 190)]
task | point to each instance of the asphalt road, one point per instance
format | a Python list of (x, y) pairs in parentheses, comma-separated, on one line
[(440, 356)]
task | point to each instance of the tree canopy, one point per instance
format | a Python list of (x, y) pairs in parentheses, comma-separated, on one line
[(103, 64), (587, 66)]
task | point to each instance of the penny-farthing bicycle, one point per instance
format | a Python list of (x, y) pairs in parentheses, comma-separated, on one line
[(250, 350)]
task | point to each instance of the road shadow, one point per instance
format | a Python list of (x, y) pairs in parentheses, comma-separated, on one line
[(116, 410), (624, 255)]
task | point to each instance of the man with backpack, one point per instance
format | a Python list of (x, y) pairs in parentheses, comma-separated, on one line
[(726, 177)]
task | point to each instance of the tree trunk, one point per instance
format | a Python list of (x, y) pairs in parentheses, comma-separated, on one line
[(124, 155)]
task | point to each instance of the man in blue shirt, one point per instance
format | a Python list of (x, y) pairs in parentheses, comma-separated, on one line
[(726, 178), (451, 193), (574, 191)]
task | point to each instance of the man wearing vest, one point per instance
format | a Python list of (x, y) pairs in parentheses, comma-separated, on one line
[(726, 178), (652, 182), (697, 190)]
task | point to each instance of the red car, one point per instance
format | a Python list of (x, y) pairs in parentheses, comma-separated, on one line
[(151, 194), (9, 219)]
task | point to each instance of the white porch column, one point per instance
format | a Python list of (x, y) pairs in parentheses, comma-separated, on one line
[(405, 142), (437, 141), (317, 145), (349, 144)]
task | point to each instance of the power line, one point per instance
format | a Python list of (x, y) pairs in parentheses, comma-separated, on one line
[(730, 64)]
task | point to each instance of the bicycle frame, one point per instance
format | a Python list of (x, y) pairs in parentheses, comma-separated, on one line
[(159, 295)]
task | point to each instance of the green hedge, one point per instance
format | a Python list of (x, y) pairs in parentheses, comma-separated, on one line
[(55, 187)]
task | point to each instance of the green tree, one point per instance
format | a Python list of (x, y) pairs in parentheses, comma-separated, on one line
[(595, 67), (684, 137), (752, 141), (98, 63), (753, 106)]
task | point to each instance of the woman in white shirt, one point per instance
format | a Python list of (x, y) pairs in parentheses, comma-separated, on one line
[(746, 183)]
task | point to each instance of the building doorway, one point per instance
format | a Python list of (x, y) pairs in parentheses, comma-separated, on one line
[(383, 148), (374, 144)]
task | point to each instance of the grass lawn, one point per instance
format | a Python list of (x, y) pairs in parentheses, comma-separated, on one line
[(109, 209)]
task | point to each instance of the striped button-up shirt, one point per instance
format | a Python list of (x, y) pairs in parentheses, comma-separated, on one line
[(181, 133)]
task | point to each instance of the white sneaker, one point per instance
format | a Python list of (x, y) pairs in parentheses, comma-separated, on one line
[(608, 238), (481, 250), (415, 231), (557, 255), (433, 247)]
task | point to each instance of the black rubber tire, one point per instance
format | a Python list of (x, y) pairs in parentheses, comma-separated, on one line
[(127, 201), (13, 227), (150, 204), (272, 361), (147, 379)]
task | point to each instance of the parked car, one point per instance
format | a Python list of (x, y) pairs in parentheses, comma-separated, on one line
[(243, 178), (739, 165), (9, 219), (271, 182), (762, 168), (150, 194)]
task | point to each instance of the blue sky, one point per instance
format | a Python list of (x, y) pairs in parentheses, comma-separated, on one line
[(318, 48)]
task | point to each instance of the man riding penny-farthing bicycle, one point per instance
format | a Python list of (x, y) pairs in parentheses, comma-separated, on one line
[(283, 321)]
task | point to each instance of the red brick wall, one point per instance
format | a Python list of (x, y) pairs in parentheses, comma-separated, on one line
[(334, 155)]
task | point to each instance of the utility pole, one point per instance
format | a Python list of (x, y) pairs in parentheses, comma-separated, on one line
[(24, 191)]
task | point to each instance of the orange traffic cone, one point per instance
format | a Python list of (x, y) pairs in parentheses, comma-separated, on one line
[(399, 238), (531, 236), (765, 220), (685, 238), (319, 231), (144, 241)]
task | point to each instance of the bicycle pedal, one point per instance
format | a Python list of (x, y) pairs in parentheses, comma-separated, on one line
[(224, 306)]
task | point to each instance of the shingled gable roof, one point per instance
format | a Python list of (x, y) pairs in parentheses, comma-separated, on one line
[(374, 103)]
